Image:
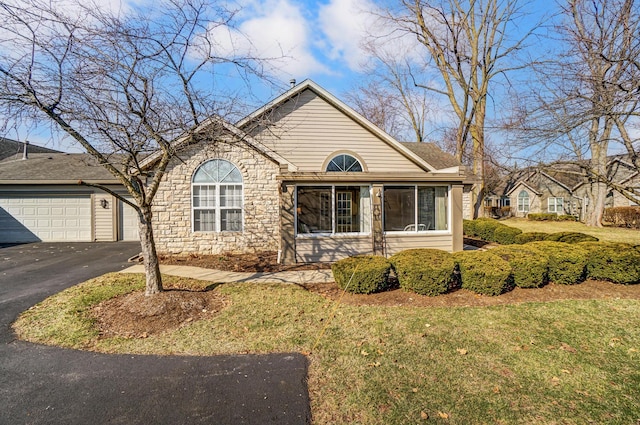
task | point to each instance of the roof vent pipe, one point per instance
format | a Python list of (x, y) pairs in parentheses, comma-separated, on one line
[(25, 155), (292, 82)]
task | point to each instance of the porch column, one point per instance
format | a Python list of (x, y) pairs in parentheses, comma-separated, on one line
[(456, 217), (376, 225), (287, 225)]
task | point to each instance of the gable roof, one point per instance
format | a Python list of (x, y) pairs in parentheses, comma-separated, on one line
[(54, 168), (255, 117), (229, 129), (432, 154), (12, 149), (522, 183)]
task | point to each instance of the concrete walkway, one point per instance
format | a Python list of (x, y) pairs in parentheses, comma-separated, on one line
[(219, 276)]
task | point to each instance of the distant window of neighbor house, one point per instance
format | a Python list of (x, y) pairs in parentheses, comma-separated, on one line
[(523, 201), (333, 209), (217, 195), (555, 205), (344, 163), (416, 208)]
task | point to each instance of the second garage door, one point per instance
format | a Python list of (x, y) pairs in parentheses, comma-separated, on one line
[(47, 218), (128, 226)]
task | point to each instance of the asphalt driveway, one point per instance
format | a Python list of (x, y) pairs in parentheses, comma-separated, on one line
[(49, 385)]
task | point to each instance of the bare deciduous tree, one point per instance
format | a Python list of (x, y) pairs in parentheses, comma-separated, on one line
[(471, 43), (586, 100), (389, 98), (122, 84)]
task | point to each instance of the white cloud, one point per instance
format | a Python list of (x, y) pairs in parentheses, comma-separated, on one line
[(275, 29), (346, 24)]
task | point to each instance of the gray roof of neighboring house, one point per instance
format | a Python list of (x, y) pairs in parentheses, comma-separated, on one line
[(432, 154), (11, 149), (54, 168)]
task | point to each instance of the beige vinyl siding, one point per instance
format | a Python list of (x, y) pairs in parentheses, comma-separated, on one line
[(307, 130), (395, 243), (103, 218), (313, 249)]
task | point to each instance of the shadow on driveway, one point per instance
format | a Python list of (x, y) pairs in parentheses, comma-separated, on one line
[(45, 385)]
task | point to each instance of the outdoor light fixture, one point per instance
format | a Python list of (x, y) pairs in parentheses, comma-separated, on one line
[(104, 203)]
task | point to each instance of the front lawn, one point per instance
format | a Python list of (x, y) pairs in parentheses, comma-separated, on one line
[(570, 362), (604, 234)]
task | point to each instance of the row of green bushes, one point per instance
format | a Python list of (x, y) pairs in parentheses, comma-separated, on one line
[(551, 217), (492, 230), (623, 216), (433, 272)]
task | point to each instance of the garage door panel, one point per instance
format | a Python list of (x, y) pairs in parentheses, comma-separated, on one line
[(49, 218), (128, 222)]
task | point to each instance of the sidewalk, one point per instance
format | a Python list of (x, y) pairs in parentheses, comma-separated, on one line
[(219, 276)]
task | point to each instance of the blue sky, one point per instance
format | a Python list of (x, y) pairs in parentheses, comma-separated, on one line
[(317, 39)]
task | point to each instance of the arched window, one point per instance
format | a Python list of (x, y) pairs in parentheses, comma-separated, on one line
[(217, 197), (523, 201), (344, 162)]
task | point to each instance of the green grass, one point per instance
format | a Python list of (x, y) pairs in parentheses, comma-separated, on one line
[(569, 362), (605, 234)]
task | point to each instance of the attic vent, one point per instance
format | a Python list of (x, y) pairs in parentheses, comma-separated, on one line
[(292, 82), (25, 154)]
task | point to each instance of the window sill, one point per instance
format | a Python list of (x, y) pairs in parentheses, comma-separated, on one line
[(331, 235), (223, 232), (419, 233)]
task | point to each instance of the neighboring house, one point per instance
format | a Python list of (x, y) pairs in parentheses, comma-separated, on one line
[(41, 200), (540, 192), (309, 177), (559, 188)]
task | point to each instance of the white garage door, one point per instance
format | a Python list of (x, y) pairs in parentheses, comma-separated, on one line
[(128, 223), (48, 218)]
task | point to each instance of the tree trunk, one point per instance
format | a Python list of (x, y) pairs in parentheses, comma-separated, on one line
[(149, 254), (596, 204), (477, 136)]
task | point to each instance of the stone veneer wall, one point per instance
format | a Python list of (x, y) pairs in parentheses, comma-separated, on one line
[(172, 207)]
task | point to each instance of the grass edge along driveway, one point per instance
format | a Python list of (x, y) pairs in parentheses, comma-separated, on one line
[(569, 362)]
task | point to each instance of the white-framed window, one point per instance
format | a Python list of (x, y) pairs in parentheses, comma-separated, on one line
[(217, 197), (344, 163), (416, 208), (555, 205), (333, 209), (523, 201)]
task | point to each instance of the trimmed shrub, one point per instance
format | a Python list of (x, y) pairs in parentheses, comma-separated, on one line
[(566, 217), (542, 216), (469, 228), (623, 216), (614, 262), (424, 271), (485, 227), (531, 237), (483, 272), (362, 274), (567, 262), (570, 237), (505, 235), (529, 265)]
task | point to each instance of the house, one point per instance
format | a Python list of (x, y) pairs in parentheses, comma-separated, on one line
[(41, 200), (309, 177), (559, 188), (539, 191)]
